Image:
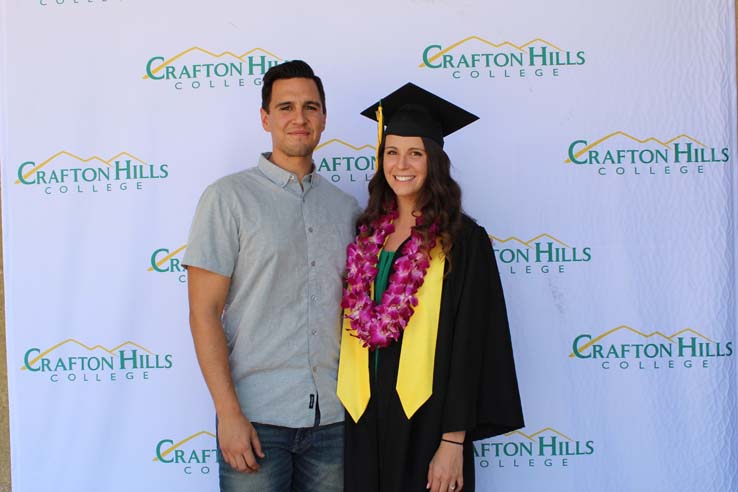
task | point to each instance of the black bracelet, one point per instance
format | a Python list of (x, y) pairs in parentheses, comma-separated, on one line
[(452, 442)]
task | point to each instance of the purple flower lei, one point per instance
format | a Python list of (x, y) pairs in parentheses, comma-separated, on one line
[(377, 325)]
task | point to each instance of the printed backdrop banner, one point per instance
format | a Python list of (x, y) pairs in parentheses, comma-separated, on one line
[(603, 167)]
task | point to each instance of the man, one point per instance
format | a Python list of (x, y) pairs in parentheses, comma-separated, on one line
[(265, 261)]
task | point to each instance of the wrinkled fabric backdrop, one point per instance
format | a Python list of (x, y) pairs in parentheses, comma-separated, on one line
[(603, 167)]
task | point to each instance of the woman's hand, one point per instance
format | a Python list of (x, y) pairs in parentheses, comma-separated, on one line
[(446, 469)]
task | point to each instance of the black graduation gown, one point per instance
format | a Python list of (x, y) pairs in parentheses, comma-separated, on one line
[(474, 384)]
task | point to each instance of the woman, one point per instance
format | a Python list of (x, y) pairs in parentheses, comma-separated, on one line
[(426, 362)]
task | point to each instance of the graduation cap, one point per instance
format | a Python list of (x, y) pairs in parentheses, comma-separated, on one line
[(412, 111)]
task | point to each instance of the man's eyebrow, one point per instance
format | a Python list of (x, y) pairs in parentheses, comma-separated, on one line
[(289, 102)]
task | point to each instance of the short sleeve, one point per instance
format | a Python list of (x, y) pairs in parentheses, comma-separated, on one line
[(214, 235)]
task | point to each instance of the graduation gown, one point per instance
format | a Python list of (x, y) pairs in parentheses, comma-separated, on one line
[(474, 383)]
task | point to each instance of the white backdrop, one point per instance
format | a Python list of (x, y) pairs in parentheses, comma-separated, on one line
[(603, 166)]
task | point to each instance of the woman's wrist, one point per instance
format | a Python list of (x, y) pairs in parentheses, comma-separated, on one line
[(454, 437)]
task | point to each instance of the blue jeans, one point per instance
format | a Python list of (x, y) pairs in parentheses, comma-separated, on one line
[(297, 460)]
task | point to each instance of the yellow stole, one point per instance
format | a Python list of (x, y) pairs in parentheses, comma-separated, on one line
[(415, 373)]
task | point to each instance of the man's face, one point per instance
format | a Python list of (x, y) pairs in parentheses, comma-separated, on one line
[(295, 119)]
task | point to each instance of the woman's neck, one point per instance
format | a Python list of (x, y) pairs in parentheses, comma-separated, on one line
[(403, 225), (405, 209)]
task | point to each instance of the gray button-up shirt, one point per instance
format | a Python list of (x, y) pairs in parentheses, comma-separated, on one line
[(284, 247)]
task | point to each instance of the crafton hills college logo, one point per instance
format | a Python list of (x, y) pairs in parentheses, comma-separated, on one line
[(166, 261), (198, 68), (475, 57), (547, 447), (621, 154), (66, 173), (342, 162), (624, 348), (350, 167), (73, 361), (195, 454), (543, 253)]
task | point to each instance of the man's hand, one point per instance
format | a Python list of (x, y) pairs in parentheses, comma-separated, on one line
[(239, 443), (237, 437)]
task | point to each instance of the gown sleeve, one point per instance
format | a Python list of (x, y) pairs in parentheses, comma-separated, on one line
[(482, 395)]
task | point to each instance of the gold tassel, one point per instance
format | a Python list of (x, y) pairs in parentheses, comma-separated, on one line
[(380, 128)]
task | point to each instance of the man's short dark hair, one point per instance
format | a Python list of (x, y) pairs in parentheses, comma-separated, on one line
[(288, 70)]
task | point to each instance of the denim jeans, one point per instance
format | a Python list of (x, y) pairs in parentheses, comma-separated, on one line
[(297, 460)]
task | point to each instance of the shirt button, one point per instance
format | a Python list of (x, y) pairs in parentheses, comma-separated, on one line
[(315, 332), (315, 368), (312, 263), (314, 298), (310, 229)]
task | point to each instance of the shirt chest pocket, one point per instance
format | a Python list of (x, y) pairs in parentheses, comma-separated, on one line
[(268, 242), (330, 240)]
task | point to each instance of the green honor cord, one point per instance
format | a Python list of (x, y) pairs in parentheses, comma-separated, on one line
[(380, 285)]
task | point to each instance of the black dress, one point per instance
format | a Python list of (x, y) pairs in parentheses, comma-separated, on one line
[(474, 384)]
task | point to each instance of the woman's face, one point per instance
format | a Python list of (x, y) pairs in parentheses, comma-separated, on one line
[(405, 166)]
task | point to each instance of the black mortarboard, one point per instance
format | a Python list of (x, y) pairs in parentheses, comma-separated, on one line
[(412, 111)]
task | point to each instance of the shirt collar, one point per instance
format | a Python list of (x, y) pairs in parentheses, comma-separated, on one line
[(282, 177)]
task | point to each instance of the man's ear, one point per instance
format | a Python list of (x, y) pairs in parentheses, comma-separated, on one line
[(264, 119)]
